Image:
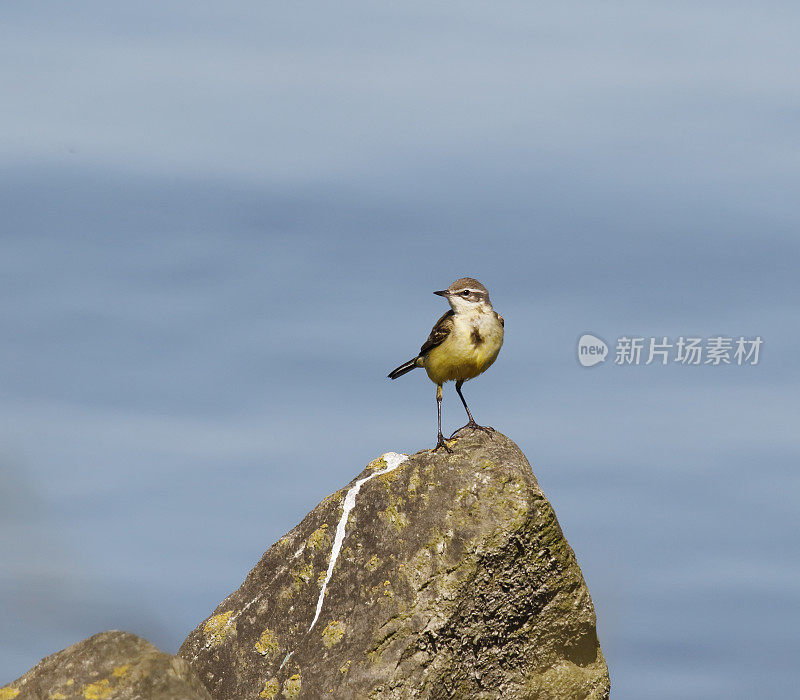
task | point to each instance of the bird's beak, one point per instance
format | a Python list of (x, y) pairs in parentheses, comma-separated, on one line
[(443, 293)]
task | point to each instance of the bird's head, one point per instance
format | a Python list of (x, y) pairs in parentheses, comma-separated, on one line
[(467, 295)]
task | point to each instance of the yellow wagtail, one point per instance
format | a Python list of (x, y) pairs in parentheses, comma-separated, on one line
[(463, 344)]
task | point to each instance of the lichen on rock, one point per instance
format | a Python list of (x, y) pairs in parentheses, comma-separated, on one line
[(333, 633), (267, 644), (217, 628), (109, 666), (319, 537), (292, 686), (270, 690)]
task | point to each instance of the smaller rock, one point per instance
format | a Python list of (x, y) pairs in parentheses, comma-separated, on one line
[(114, 664)]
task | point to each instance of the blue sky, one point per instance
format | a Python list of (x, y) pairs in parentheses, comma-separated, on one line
[(221, 229)]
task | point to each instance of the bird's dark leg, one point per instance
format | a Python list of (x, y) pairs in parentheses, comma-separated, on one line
[(471, 424), (440, 438)]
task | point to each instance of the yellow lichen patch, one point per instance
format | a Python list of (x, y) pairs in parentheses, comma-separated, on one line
[(389, 477), (373, 563), (319, 537), (70, 681), (378, 463), (270, 691), (8, 692), (336, 495), (97, 691), (333, 633), (393, 515), (291, 686), (58, 696), (217, 628), (414, 482), (345, 668), (121, 671), (387, 589), (302, 576), (267, 643)]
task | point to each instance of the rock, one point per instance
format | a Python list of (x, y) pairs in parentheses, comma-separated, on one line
[(454, 580), (110, 665)]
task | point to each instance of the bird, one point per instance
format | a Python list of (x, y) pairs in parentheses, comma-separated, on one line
[(464, 343)]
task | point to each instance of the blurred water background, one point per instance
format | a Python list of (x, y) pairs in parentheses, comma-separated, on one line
[(221, 228)]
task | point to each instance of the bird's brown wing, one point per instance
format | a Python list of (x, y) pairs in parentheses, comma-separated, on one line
[(439, 333)]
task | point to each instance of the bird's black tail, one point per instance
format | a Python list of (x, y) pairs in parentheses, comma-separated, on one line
[(403, 369)]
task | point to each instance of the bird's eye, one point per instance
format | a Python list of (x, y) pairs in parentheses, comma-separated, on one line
[(465, 293)]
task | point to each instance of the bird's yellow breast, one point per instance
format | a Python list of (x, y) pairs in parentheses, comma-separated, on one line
[(471, 348)]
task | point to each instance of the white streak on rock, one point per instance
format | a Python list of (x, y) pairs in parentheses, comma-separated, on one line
[(393, 460), (287, 657)]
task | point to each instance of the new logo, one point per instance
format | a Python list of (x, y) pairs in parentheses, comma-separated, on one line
[(591, 350)]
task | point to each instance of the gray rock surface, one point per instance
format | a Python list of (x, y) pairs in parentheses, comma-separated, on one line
[(454, 580), (113, 665)]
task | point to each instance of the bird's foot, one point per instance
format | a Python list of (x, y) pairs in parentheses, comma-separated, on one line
[(442, 444), (473, 426)]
